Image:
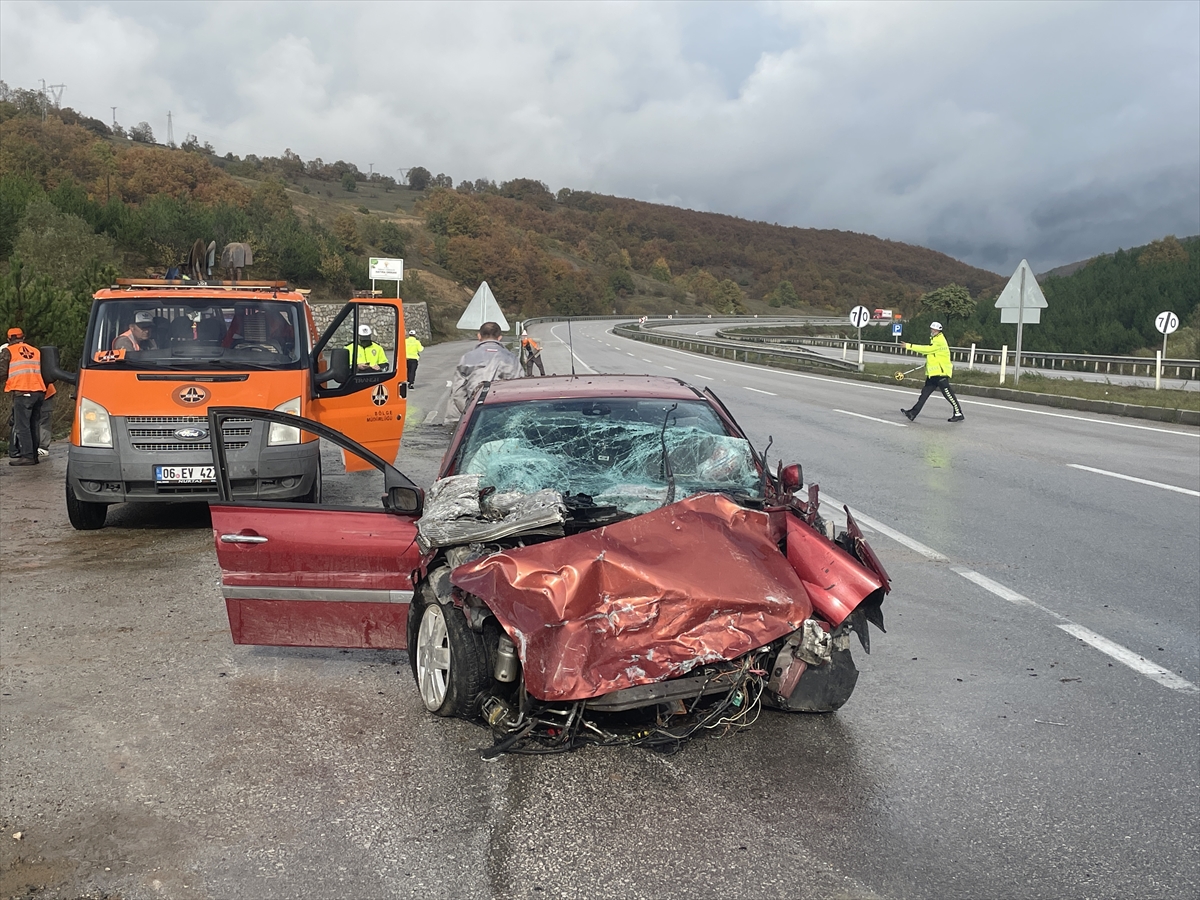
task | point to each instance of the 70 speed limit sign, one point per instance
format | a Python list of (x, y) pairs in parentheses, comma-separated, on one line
[(860, 316), (1166, 322)]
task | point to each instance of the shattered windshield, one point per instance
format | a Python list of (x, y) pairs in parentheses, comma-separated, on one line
[(610, 449), (195, 332)]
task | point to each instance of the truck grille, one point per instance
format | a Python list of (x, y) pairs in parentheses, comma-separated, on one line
[(156, 434)]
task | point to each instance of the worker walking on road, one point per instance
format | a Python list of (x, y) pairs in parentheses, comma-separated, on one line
[(412, 351), (21, 366), (938, 369), (531, 354)]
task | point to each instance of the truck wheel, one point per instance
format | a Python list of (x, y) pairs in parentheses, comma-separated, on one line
[(314, 493), (447, 660), (84, 516)]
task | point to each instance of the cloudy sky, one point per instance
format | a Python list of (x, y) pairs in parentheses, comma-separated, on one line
[(1053, 131)]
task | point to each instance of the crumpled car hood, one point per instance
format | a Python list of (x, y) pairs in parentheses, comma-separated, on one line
[(641, 601)]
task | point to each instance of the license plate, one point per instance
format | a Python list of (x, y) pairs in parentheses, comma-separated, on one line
[(185, 474)]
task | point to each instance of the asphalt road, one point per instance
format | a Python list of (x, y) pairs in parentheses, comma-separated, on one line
[(1000, 743)]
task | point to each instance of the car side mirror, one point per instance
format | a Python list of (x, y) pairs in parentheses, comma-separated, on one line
[(791, 477), (339, 367), (406, 500), (50, 369)]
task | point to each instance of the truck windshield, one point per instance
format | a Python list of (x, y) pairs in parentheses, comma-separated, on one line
[(194, 333), (609, 449)]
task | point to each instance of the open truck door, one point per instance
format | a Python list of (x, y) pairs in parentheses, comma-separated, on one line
[(333, 574), (367, 404)]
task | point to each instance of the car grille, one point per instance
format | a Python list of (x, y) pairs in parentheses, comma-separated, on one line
[(156, 434)]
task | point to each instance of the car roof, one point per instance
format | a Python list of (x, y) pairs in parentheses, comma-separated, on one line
[(563, 387)]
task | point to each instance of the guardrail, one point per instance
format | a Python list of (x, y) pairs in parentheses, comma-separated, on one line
[(1033, 359)]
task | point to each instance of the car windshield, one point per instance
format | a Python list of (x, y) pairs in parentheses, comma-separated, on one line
[(185, 333), (609, 449)]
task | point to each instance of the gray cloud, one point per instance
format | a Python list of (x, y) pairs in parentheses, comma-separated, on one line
[(988, 131)]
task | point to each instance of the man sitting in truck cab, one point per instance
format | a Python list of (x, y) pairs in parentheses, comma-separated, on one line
[(369, 354), (138, 335)]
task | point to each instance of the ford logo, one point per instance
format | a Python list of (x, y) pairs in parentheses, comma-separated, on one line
[(191, 434)]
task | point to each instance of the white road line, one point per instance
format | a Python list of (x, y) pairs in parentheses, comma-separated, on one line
[(872, 418), (652, 362), (1127, 657), (570, 349), (672, 368), (1000, 590), (1157, 484), (757, 391), (630, 354), (910, 543), (705, 377), (1016, 407)]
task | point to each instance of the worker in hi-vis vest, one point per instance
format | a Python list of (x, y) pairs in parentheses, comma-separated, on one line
[(21, 365), (938, 369), (412, 352)]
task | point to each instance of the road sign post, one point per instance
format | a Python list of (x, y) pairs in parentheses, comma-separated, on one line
[(1021, 302), (385, 270), (860, 316), (897, 330), (1166, 322)]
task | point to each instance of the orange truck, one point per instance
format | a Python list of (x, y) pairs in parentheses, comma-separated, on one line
[(158, 354)]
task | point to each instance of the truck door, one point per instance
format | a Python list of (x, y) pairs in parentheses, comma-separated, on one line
[(370, 406), (337, 573)]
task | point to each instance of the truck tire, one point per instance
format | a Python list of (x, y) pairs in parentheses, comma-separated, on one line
[(84, 516)]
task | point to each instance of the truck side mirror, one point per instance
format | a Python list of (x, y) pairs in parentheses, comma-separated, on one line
[(50, 369), (339, 367), (791, 477)]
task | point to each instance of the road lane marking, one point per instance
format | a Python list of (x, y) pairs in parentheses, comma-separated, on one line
[(872, 418), (1157, 484), (672, 368), (1127, 657), (705, 377), (650, 361), (910, 543), (757, 391), (876, 387), (570, 349), (1122, 654)]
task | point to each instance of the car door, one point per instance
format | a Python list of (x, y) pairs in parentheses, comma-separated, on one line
[(336, 573), (370, 407)]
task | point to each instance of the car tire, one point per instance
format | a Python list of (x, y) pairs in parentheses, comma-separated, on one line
[(84, 515), (448, 660)]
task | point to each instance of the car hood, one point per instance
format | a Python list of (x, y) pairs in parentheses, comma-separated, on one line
[(641, 601)]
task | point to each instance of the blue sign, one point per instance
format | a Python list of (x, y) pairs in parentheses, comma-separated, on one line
[(897, 329)]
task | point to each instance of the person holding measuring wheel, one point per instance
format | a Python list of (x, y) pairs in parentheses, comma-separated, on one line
[(938, 369)]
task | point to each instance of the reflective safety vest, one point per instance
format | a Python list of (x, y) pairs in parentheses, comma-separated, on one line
[(24, 369), (413, 347), (368, 355), (937, 356)]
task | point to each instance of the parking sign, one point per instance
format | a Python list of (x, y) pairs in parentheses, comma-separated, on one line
[(897, 329)]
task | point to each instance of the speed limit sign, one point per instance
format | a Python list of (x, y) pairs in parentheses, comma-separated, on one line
[(1166, 322), (860, 316)]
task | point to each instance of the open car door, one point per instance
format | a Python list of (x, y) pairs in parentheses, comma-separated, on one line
[(336, 573), (369, 407)]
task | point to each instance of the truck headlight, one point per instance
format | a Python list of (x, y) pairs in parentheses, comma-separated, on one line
[(95, 430), (285, 434)]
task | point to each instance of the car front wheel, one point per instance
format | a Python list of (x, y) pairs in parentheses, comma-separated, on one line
[(84, 516), (448, 662)]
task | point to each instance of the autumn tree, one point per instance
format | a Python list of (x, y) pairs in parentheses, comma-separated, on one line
[(1165, 251), (345, 229), (142, 133), (661, 271), (418, 178)]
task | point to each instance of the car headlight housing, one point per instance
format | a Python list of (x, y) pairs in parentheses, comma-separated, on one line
[(95, 429), (285, 434)]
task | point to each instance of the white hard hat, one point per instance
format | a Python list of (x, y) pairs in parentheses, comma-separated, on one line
[(935, 326), (364, 330)]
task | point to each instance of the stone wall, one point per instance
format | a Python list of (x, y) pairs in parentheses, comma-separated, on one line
[(416, 318)]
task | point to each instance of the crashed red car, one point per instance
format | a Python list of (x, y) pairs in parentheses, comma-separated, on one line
[(602, 559)]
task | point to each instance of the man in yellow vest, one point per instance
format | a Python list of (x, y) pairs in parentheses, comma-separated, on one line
[(412, 351), (369, 355), (938, 369), (21, 366)]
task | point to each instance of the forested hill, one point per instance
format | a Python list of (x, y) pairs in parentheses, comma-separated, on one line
[(1108, 306)]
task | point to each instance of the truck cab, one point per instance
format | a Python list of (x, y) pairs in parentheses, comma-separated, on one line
[(157, 354)]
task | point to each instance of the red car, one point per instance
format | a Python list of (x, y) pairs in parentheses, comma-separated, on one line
[(602, 559)]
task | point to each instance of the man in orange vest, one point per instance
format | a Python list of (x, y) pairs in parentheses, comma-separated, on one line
[(531, 354), (22, 366)]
